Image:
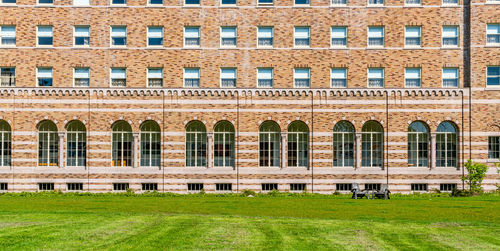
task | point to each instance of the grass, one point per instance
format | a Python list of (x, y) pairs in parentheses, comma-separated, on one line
[(64, 222)]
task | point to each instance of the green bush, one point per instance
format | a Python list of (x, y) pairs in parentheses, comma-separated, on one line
[(475, 175)]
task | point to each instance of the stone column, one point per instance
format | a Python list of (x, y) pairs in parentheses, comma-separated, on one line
[(284, 143), (358, 149), (135, 148), (61, 148), (210, 149), (433, 150)]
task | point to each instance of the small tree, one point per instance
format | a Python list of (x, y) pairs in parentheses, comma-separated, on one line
[(475, 176)]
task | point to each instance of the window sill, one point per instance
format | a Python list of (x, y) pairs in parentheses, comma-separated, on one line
[(154, 6), (406, 47), (118, 47), (375, 47), (493, 161), (7, 46), (492, 3), (339, 47), (191, 48), (338, 5), (265, 47), (44, 46), (301, 48), (307, 6), (492, 88), (228, 6), (492, 45), (228, 47), (265, 5), (45, 6), (194, 6), (375, 6), (81, 47), (413, 6), (450, 6), (8, 5), (81, 6), (154, 47), (450, 48), (118, 6)]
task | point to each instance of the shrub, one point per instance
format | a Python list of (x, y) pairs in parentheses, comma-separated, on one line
[(475, 175), (246, 193)]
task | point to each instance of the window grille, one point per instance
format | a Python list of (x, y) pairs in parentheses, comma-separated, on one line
[(419, 187), (418, 144), (76, 144), (75, 186), (45, 186), (120, 186), (493, 34), (269, 186), (118, 77), (196, 144), (269, 144), (150, 144), (339, 2), (298, 187), (339, 78), (122, 144), (265, 36), (8, 35), (4, 186), (224, 144), (450, 77), (228, 36), (119, 35), (192, 36), (375, 2), (195, 187), (376, 77), (494, 147), (302, 36), (450, 2), (82, 35), (447, 187), (375, 36), (265, 77), (446, 145), (372, 186), (372, 145), (224, 187), (5, 143), (7, 76), (343, 144), (413, 2), (413, 77), (298, 144), (450, 36), (48, 144), (343, 187), (149, 186)]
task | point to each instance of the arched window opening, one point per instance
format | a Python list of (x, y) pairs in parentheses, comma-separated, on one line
[(418, 144), (5, 143), (269, 144), (372, 144), (298, 144), (150, 144), (196, 144), (343, 144), (76, 147), (48, 144), (446, 145), (224, 144), (122, 144)]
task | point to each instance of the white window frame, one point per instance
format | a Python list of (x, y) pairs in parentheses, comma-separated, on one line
[(308, 74), (235, 37), (272, 76), (497, 34), (235, 76), (15, 36), (449, 4), (111, 77), (111, 36), (81, 5), (9, 79), (458, 77), (162, 36), (74, 36), (368, 77), (338, 4), (419, 37), (420, 79), (295, 37), (413, 4), (346, 37), (184, 77), (228, 4), (346, 76), (375, 5), (265, 4), (51, 74), (486, 80), (74, 73), (457, 37), (272, 36), (148, 77), (8, 4), (37, 36), (199, 37), (368, 37), (301, 5)]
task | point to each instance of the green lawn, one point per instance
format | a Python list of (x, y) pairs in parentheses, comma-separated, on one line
[(299, 223)]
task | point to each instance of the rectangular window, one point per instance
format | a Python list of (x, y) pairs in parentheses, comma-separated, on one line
[(494, 147), (265, 77), (376, 77), (82, 35), (339, 77), (8, 35), (302, 36), (376, 36), (493, 76), (223, 187), (81, 2), (118, 2), (45, 36), (155, 77), (450, 2), (265, 2), (120, 186), (493, 34), (375, 2), (45, 1), (118, 77), (4, 186), (269, 186), (44, 76), (265, 36), (298, 187), (339, 2), (195, 187), (412, 2), (118, 35), (82, 77), (343, 187), (9, 2), (228, 2), (7, 76), (155, 36), (301, 2), (450, 77), (228, 36), (155, 2), (447, 187), (228, 77), (192, 2), (192, 77), (75, 186), (301, 77), (192, 36), (413, 36), (418, 187), (372, 186), (450, 36), (149, 186), (45, 186), (339, 36), (413, 77)]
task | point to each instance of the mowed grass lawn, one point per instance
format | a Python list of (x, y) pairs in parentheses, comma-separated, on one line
[(62, 222)]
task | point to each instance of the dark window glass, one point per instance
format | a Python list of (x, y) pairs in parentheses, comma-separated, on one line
[(45, 41), (192, 1)]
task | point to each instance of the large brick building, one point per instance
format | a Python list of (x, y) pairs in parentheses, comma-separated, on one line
[(180, 95)]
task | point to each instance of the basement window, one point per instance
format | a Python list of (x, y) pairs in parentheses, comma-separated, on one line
[(4, 186), (45, 186), (297, 187), (372, 186), (75, 186), (447, 187), (224, 187), (195, 187), (149, 186), (419, 187), (269, 186), (343, 187), (120, 186)]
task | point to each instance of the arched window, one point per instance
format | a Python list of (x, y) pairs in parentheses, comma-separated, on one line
[(224, 144), (418, 144), (298, 144), (76, 144), (5, 143), (196, 144), (150, 144), (48, 144), (446, 145), (269, 144), (343, 144), (122, 144), (372, 147)]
